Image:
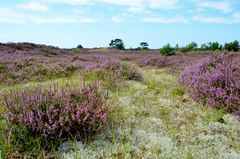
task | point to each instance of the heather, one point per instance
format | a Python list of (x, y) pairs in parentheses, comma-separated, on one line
[(22, 68), (110, 103), (56, 113), (215, 81)]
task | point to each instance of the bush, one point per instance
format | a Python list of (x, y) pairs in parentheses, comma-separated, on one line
[(117, 43), (153, 61), (79, 46), (232, 46), (131, 73), (215, 81), (144, 45), (167, 50), (184, 49), (58, 114)]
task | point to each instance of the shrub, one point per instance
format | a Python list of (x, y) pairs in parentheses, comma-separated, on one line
[(184, 49), (132, 73), (153, 61), (232, 46), (167, 50), (192, 46), (117, 43), (215, 81), (144, 45), (79, 46), (58, 114)]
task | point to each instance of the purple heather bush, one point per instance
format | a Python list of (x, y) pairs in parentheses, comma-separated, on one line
[(215, 81), (22, 67), (56, 113)]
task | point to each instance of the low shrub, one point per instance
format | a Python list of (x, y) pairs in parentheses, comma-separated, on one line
[(215, 81), (153, 61), (132, 73), (167, 50), (57, 114)]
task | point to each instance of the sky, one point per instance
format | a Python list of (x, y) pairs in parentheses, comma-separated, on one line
[(94, 23)]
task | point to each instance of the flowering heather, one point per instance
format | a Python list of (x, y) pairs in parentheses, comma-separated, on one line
[(56, 113), (174, 63), (215, 81), (24, 66)]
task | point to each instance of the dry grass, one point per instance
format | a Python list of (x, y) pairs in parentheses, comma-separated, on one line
[(154, 119)]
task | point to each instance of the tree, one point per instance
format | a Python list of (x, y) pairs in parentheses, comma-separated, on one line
[(144, 45), (193, 45), (79, 46), (117, 43), (204, 47), (214, 46), (176, 47), (232, 46), (167, 50)]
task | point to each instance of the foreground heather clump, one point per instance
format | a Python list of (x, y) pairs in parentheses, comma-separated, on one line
[(56, 113), (215, 81)]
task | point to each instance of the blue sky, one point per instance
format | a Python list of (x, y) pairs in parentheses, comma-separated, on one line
[(93, 23)]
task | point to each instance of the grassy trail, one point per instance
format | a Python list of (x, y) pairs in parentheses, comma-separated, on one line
[(154, 119)]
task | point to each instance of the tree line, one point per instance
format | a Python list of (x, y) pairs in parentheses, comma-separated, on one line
[(169, 50)]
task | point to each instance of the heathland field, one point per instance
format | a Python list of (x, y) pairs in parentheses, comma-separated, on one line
[(109, 103)]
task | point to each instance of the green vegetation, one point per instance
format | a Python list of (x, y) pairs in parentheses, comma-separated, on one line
[(167, 50), (232, 46), (117, 43), (79, 46), (154, 119), (144, 45), (211, 46), (53, 106)]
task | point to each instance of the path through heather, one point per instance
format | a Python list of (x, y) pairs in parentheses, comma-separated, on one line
[(155, 119)]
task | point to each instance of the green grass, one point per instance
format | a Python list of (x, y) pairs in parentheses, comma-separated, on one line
[(155, 119)]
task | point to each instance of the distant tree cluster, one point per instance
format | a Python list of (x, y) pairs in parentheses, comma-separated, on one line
[(168, 50), (232, 46), (119, 44), (211, 46), (79, 46)]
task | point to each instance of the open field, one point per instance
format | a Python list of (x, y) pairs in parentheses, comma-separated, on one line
[(152, 108)]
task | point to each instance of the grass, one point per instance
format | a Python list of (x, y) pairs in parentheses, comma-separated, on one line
[(155, 119)]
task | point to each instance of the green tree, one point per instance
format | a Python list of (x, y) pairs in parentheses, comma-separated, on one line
[(117, 43), (144, 45), (204, 47), (232, 46), (176, 47), (167, 50), (79, 46), (192, 46)]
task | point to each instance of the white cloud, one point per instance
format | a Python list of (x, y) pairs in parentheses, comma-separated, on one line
[(34, 6), (78, 11), (10, 16), (163, 4), (117, 19), (164, 20), (208, 19), (61, 20), (219, 20), (236, 15), (135, 5), (72, 2), (135, 10), (222, 6)]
